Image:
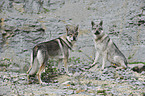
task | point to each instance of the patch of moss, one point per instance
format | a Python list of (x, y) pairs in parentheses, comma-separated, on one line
[(46, 10), (136, 62), (75, 60), (102, 92), (129, 57)]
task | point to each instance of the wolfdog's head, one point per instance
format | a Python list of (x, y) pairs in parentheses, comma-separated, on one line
[(72, 32), (97, 29)]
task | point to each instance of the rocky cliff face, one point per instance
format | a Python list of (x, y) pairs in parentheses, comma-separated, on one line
[(24, 23)]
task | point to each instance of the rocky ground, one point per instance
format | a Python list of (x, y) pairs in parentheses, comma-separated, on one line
[(81, 84), (84, 82)]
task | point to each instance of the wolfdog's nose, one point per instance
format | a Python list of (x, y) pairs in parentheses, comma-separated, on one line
[(97, 32)]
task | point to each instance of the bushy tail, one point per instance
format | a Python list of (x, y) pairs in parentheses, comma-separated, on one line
[(34, 62)]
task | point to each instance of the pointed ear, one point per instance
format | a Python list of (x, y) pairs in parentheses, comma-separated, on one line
[(77, 27), (67, 28), (92, 23), (101, 23)]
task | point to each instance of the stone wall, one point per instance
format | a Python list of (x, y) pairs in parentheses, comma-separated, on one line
[(24, 23)]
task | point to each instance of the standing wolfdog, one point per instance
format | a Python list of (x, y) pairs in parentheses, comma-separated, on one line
[(106, 47), (57, 48)]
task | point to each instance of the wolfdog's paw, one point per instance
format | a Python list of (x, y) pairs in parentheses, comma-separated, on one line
[(69, 74), (121, 68), (43, 83), (93, 68), (29, 82)]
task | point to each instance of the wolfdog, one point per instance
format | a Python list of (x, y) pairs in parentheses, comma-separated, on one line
[(57, 48), (107, 48)]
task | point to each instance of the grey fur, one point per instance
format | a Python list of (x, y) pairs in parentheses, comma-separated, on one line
[(57, 48), (106, 47)]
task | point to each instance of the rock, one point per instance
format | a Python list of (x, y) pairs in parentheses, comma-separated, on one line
[(76, 74), (13, 68), (65, 83), (137, 67)]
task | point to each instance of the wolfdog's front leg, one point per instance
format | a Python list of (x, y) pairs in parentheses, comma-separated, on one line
[(104, 59), (95, 61), (59, 65), (66, 66), (96, 57)]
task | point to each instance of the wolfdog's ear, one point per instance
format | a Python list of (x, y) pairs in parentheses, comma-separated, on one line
[(92, 23), (101, 23), (67, 28), (77, 27)]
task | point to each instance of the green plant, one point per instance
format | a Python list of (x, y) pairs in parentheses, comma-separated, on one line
[(136, 62)]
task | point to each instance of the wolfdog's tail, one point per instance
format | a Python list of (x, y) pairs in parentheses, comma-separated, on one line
[(34, 62)]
